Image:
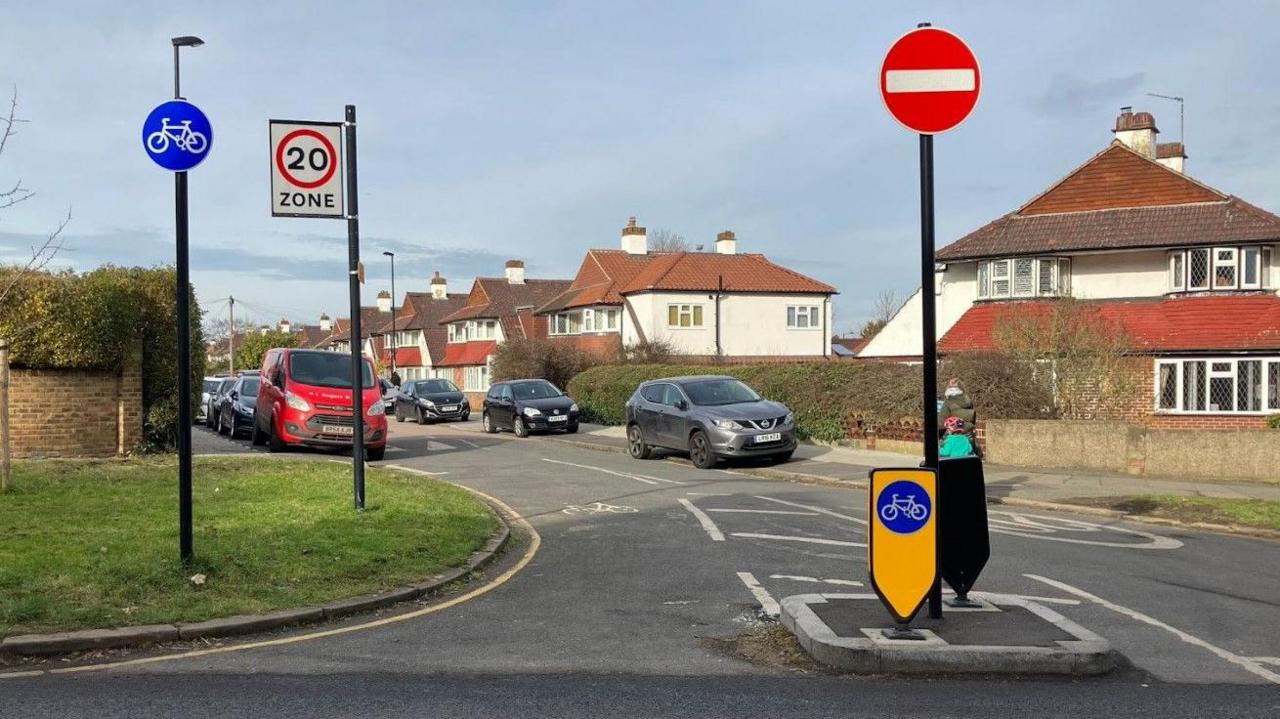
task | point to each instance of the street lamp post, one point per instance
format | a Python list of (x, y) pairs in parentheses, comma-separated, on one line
[(392, 255), (183, 290)]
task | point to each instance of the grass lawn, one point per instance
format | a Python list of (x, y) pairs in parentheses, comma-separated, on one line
[(88, 544), (1244, 512)]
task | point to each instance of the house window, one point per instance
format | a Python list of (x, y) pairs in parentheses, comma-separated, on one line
[(1220, 268), (611, 319), (1250, 268), (1218, 386), (560, 324), (1178, 271), (802, 318), (1024, 277), (684, 315), (1224, 268), (588, 321), (458, 332), (475, 379), (1198, 269)]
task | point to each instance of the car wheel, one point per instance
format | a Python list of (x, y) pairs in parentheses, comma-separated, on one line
[(422, 416), (700, 450), (258, 436), (222, 426), (465, 416), (208, 419), (374, 454), (636, 446), (571, 429), (399, 417), (520, 428), (274, 443), (487, 424)]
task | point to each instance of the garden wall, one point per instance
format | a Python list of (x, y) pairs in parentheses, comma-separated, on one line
[(75, 413)]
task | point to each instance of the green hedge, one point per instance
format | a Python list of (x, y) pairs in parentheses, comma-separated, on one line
[(821, 395), (94, 320)]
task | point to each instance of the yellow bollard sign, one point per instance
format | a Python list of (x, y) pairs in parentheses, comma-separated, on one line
[(902, 544)]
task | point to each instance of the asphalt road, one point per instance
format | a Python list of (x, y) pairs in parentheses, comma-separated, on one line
[(643, 565)]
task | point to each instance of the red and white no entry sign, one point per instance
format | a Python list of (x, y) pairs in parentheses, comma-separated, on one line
[(930, 80), (305, 181)]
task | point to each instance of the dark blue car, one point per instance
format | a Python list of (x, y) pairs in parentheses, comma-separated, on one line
[(236, 414)]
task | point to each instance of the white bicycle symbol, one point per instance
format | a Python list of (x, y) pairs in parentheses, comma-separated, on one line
[(180, 134), (597, 508), (909, 507)]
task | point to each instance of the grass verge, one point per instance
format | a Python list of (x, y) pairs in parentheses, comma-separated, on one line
[(1214, 510), (94, 544)]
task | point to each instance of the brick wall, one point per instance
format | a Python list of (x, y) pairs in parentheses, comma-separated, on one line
[(75, 413)]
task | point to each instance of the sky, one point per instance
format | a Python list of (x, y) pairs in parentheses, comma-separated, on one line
[(531, 130)]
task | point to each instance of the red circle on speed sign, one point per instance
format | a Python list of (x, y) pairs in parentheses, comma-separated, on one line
[(930, 80), (331, 164)]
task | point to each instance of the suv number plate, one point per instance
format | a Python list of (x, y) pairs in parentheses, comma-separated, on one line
[(774, 437)]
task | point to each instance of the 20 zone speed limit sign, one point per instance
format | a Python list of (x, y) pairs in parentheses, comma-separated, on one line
[(306, 172)]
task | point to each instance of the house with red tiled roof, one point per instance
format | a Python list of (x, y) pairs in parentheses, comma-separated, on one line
[(1186, 272), (707, 304), (496, 309), (413, 341)]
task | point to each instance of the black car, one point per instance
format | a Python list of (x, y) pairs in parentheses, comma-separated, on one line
[(216, 397), (236, 414), (528, 405), (431, 400)]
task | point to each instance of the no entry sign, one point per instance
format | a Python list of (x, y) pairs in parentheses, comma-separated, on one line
[(930, 80), (306, 180)]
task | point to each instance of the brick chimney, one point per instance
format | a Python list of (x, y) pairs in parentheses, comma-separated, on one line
[(1137, 131), (727, 243), (515, 272), (384, 301), (284, 326), (1172, 155), (634, 238), (326, 324), (439, 287)]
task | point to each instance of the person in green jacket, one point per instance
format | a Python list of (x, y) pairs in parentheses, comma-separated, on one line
[(957, 443), (958, 405)]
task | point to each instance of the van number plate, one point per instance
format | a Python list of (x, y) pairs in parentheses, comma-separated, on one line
[(774, 437), (335, 429)]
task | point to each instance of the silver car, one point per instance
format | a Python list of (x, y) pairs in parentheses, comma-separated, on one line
[(710, 417)]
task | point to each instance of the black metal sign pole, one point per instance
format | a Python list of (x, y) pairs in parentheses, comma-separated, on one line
[(929, 322), (182, 289), (357, 344)]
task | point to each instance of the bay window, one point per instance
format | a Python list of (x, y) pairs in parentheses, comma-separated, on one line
[(589, 320), (1218, 386), (1024, 277), (1220, 268)]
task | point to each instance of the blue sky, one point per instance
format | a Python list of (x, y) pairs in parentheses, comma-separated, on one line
[(492, 131)]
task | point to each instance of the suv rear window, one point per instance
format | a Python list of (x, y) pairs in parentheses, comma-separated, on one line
[(325, 369)]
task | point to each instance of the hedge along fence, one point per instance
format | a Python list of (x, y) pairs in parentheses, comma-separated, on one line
[(91, 321), (825, 395)]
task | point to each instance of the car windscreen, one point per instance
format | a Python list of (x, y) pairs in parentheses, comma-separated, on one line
[(719, 391), (433, 386), (225, 385), (249, 388), (210, 385), (534, 390), (325, 369)]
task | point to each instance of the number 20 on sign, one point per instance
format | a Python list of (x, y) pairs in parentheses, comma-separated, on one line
[(902, 544), (306, 158)]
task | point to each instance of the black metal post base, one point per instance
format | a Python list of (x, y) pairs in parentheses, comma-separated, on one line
[(903, 632), (962, 601)]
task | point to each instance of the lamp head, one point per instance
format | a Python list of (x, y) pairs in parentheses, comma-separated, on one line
[(187, 41)]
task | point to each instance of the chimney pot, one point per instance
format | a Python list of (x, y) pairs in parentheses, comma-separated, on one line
[(726, 243), (384, 301), (515, 272), (439, 287), (635, 239), (1137, 131)]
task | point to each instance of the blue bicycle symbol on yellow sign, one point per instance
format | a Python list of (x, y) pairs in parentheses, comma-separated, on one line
[(177, 135)]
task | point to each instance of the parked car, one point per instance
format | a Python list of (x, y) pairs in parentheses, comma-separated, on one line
[(237, 408), (711, 418), (304, 398), (210, 384), (214, 406), (389, 394), (528, 405), (431, 400)]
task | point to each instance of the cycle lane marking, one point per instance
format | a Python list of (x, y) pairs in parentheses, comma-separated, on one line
[(790, 538), (768, 604), (816, 580), (1252, 666), (601, 469), (762, 511), (707, 524)]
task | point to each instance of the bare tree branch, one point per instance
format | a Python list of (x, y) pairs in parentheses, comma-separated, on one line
[(17, 193), (663, 240), (41, 256)]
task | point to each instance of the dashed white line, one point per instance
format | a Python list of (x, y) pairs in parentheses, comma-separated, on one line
[(411, 470), (601, 469), (763, 511), (767, 603), (710, 526), (816, 580), (788, 538), (1250, 665), (1274, 661), (819, 510)]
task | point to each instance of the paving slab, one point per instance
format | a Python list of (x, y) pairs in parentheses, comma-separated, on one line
[(1007, 635)]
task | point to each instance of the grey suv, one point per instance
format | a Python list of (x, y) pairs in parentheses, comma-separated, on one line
[(711, 417)]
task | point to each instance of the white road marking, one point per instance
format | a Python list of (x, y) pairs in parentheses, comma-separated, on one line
[(1274, 661), (1037, 527), (767, 603), (601, 469), (657, 479), (704, 520), (941, 80), (819, 510), (788, 538), (1250, 665), (1028, 597), (764, 511), (816, 580), (598, 508), (469, 443), (411, 470)]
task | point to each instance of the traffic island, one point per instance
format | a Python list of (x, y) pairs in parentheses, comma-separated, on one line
[(1005, 634)]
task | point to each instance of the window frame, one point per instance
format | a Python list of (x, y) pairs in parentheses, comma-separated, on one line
[(1269, 385), (1232, 264), (811, 314), (994, 274), (694, 310)]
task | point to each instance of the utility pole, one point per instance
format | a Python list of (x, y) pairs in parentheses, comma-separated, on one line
[(231, 335)]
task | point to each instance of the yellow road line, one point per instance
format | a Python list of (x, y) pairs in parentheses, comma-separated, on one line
[(535, 541)]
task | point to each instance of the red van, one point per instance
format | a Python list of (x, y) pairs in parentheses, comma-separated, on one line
[(305, 399)]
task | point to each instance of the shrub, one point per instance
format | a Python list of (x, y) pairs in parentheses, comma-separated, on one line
[(254, 346), (94, 321), (1001, 386), (555, 362), (1273, 421)]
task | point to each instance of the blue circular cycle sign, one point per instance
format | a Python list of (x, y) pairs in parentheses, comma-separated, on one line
[(177, 135), (903, 507)]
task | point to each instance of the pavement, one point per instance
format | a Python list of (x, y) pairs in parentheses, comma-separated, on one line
[(645, 579)]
